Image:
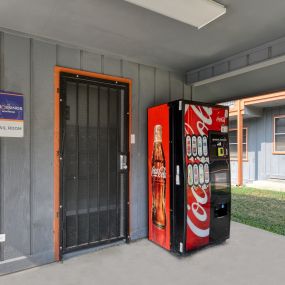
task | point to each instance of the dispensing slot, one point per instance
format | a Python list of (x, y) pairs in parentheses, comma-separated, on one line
[(221, 210)]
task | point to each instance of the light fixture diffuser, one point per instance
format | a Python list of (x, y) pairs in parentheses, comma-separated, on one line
[(197, 13)]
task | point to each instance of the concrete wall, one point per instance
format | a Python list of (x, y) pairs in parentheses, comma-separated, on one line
[(27, 163), (261, 164)]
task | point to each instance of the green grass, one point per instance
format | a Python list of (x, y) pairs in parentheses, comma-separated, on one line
[(259, 208)]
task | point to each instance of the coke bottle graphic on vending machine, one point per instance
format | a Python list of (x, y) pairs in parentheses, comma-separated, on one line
[(158, 175)]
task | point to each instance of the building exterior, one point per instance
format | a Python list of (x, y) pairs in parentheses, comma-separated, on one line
[(88, 71), (29, 207), (263, 137)]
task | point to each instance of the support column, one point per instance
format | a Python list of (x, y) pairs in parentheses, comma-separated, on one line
[(240, 143)]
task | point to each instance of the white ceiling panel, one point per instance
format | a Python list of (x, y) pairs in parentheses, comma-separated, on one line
[(197, 13)]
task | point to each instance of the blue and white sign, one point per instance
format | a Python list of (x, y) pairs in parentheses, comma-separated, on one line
[(11, 114)]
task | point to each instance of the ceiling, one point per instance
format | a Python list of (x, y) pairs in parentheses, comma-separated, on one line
[(120, 28)]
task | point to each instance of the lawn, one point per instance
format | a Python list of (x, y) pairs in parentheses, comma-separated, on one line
[(259, 208)]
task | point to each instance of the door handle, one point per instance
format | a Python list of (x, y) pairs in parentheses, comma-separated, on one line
[(123, 162)]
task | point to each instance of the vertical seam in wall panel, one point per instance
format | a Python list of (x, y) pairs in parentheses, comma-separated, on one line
[(138, 147), (191, 92), (1, 150), (80, 59), (269, 52), (154, 86), (169, 78), (121, 68), (102, 63), (31, 143), (56, 54)]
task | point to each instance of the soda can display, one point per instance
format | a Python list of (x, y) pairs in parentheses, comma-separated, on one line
[(201, 174), (194, 145), (188, 146), (206, 173), (200, 146), (205, 146), (196, 174), (190, 174)]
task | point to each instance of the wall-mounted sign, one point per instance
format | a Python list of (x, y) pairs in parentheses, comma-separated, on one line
[(11, 114)]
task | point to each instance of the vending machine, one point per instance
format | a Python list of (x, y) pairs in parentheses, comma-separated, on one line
[(188, 175)]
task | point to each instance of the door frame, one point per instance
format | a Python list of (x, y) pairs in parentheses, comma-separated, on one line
[(57, 71)]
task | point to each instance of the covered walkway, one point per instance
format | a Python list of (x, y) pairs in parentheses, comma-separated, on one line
[(251, 256)]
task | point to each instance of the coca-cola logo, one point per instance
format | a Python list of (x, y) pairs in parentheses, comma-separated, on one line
[(198, 211), (221, 119), (205, 116), (158, 172)]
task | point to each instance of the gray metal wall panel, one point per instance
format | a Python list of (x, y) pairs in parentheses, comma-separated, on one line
[(251, 149), (112, 66), (27, 164), (187, 92), (176, 86), (276, 169), (91, 62), (162, 91), (131, 70), (262, 163), (205, 73), (42, 104), (234, 171), (68, 57), (258, 56), (15, 152), (221, 68), (278, 49), (272, 159), (146, 99), (260, 172), (238, 62), (281, 158)]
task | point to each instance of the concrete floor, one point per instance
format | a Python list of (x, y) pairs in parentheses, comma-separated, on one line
[(251, 256), (270, 184)]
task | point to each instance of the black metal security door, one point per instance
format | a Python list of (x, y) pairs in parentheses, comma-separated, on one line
[(94, 162)]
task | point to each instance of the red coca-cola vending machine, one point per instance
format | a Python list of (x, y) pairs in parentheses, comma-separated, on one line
[(188, 175)]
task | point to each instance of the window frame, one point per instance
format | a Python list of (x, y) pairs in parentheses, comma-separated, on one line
[(246, 144), (274, 151)]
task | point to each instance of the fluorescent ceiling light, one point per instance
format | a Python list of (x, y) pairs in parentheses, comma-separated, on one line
[(197, 13)]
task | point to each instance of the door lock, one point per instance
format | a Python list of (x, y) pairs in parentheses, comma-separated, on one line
[(123, 162)]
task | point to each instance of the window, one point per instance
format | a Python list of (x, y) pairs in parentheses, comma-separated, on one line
[(234, 144), (279, 134)]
